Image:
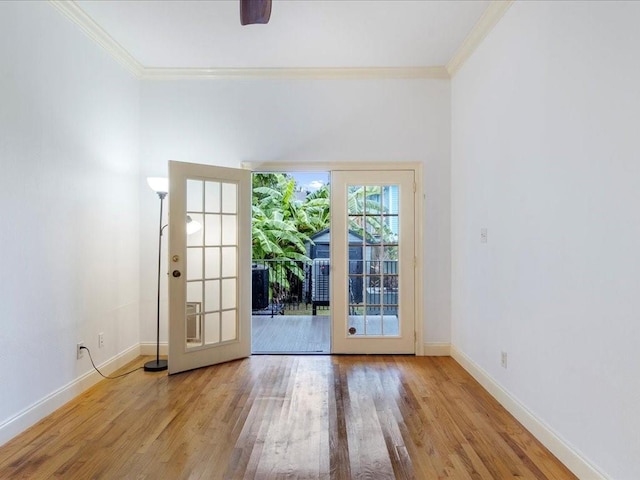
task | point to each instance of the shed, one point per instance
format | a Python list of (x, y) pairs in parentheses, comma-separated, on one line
[(318, 276)]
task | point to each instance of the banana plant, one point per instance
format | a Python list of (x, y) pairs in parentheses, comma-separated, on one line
[(276, 232)]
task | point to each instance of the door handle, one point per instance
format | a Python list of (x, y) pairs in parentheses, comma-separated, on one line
[(176, 273)]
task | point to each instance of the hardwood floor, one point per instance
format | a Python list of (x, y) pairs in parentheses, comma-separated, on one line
[(294, 417)]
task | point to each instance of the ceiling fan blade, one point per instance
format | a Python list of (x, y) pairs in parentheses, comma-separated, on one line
[(255, 11)]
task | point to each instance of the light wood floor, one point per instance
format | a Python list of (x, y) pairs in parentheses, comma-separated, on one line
[(294, 417)]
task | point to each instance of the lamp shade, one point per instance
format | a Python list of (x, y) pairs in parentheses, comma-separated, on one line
[(192, 226), (159, 184)]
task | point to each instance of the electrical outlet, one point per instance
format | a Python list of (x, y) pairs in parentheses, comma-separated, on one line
[(79, 350), (483, 235), (100, 340), (503, 359)]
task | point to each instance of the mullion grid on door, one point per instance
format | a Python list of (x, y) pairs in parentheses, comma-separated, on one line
[(372, 220)]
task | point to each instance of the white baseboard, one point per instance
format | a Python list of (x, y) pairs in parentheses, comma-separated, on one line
[(437, 349), (47, 405), (147, 348), (568, 455)]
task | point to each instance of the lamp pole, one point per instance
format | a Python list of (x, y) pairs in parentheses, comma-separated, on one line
[(158, 365)]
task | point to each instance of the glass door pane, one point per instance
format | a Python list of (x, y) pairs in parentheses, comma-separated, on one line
[(211, 263), (373, 237)]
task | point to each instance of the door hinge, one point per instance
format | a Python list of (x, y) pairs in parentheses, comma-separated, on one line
[(415, 188)]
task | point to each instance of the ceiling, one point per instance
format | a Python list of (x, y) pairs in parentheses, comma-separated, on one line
[(302, 34)]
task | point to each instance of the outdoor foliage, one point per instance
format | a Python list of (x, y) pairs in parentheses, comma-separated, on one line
[(282, 224), (365, 214)]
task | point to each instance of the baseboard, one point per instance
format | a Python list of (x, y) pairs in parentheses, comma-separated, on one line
[(437, 349), (47, 405), (568, 455), (150, 348)]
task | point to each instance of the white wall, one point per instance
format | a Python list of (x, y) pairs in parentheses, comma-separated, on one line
[(69, 208), (545, 148), (229, 122)]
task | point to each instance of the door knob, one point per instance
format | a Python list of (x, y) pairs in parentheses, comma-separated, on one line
[(176, 273)]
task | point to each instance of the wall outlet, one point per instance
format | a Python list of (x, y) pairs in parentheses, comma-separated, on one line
[(79, 350), (483, 235), (503, 359), (100, 340)]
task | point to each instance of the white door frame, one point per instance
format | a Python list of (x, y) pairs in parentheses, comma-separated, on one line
[(419, 223)]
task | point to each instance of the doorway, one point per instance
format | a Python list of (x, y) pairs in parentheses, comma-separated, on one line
[(290, 263), (367, 248)]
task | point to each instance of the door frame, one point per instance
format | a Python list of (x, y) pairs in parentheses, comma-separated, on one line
[(416, 167)]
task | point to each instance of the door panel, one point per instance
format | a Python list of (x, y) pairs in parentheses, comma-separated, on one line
[(373, 256), (209, 269)]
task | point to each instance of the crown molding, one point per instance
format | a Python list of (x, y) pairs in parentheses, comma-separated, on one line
[(152, 73), (485, 24), (73, 12), (94, 31), (488, 20)]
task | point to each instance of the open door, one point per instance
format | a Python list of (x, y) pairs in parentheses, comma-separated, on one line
[(210, 269)]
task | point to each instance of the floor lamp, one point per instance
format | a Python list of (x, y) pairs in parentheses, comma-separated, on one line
[(161, 187)]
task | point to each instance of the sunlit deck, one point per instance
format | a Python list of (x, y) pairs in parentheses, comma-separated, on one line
[(310, 334)]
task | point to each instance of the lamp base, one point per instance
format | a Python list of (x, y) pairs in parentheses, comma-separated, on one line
[(155, 366)]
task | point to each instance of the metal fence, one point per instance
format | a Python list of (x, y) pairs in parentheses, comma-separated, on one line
[(286, 286)]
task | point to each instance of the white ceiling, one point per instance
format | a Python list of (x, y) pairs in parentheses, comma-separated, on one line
[(300, 34)]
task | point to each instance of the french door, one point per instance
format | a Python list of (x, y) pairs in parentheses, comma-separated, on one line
[(209, 268), (373, 261)]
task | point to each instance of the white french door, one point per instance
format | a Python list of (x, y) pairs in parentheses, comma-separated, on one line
[(373, 261), (209, 269)]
